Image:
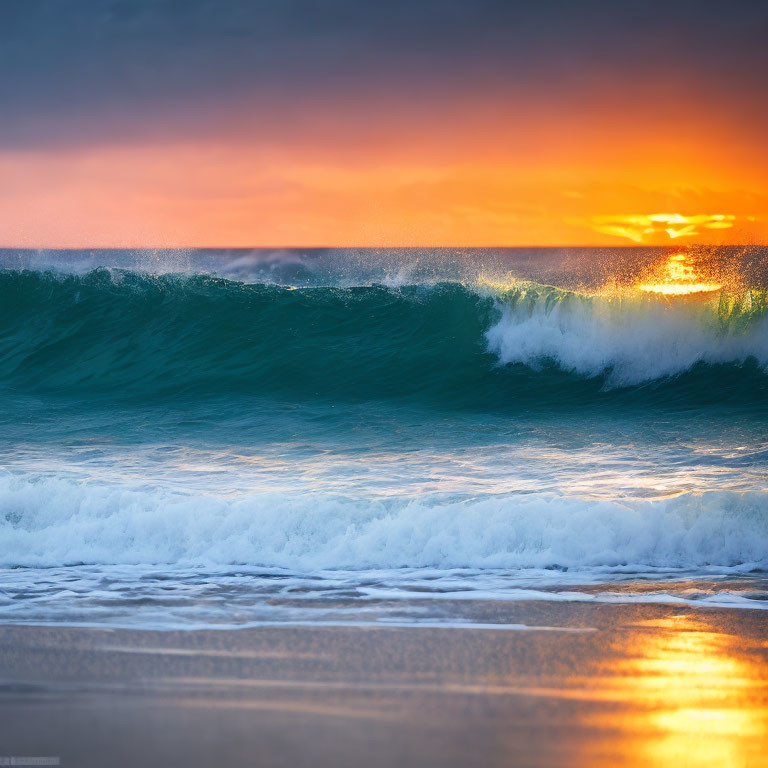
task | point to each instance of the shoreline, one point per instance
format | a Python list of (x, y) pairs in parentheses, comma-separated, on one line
[(604, 684)]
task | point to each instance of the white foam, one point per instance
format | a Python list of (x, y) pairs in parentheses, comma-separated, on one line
[(631, 341), (51, 522)]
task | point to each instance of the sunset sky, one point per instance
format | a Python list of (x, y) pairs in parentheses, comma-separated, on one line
[(429, 122)]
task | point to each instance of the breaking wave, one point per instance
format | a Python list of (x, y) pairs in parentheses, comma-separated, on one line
[(120, 333)]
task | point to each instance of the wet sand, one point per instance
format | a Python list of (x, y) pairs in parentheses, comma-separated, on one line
[(582, 685)]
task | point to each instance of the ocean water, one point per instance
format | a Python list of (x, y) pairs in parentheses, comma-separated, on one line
[(229, 438)]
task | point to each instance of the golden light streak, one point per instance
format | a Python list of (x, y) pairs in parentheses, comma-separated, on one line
[(679, 279), (701, 702)]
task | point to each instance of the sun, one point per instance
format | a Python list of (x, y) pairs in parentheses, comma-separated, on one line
[(679, 279)]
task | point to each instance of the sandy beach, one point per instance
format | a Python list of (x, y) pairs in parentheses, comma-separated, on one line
[(562, 684)]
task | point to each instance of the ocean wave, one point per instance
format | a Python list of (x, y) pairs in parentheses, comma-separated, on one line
[(57, 522), (122, 333), (630, 339)]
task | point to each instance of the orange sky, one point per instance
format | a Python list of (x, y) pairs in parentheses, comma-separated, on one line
[(505, 189), (641, 139)]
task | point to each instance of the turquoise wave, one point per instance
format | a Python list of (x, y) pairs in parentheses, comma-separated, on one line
[(124, 334)]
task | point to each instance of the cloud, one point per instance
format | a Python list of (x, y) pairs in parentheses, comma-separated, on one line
[(656, 227), (105, 71)]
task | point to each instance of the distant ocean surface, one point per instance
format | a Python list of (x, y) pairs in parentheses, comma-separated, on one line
[(236, 437)]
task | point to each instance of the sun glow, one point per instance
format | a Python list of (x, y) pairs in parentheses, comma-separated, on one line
[(641, 228), (701, 703), (679, 279)]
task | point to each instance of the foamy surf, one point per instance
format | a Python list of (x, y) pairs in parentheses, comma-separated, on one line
[(47, 523), (630, 339)]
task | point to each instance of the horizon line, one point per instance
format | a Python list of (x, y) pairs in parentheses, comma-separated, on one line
[(367, 247)]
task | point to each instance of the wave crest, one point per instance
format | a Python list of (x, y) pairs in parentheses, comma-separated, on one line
[(628, 340)]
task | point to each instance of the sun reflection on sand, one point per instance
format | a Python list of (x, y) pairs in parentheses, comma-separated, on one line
[(698, 698)]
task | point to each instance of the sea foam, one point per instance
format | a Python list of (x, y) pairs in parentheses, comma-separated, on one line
[(630, 340), (54, 522)]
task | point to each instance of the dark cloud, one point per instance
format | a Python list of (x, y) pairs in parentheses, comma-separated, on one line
[(100, 70)]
